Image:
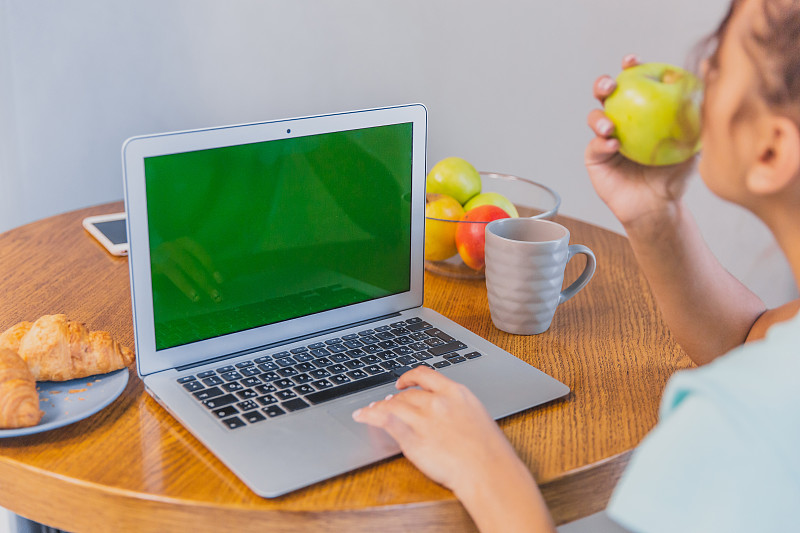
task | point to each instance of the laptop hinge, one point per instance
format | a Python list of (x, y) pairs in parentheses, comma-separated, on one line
[(284, 342)]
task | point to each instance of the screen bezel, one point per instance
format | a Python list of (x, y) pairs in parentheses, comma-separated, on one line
[(136, 149)]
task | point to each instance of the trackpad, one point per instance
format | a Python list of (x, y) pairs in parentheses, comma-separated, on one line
[(378, 439)]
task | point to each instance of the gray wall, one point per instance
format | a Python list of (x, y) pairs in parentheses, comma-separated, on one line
[(507, 84)]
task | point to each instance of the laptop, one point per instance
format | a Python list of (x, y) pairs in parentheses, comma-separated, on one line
[(277, 285)]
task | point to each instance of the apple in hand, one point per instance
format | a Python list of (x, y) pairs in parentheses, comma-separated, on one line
[(440, 236), (454, 177), (656, 113), (492, 198), (471, 234)]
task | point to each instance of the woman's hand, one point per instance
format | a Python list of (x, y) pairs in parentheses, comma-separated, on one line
[(636, 194), (447, 433)]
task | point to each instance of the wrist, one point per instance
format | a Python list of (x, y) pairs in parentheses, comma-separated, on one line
[(657, 222)]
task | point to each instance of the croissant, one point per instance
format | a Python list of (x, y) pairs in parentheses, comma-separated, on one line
[(58, 349), (19, 401)]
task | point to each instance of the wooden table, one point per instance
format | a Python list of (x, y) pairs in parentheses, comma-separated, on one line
[(131, 467)]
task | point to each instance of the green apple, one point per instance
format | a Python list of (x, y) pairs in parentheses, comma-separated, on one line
[(492, 198), (656, 113), (440, 235), (454, 177)]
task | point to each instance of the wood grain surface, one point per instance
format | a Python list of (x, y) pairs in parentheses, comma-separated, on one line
[(131, 467)]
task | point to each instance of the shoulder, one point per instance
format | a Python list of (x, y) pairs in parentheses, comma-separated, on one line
[(722, 457)]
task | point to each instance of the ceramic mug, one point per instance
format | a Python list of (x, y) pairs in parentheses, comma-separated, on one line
[(525, 262)]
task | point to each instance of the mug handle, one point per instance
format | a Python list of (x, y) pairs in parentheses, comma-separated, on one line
[(586, 275)]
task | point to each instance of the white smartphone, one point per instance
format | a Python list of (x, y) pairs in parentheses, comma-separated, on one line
[(110, 231)]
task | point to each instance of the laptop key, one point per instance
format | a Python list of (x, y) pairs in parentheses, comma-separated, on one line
[(423, 356), (234, 422), (303, 357), (220, 401), (414, 320), (232, 387), (213, 380), (247, 405), (294, 405), (287, 372), (186, 379), (447, 348), (227, 368), (269, 376), (300, 379), (304, 367), (211, 392), (268, 366), (322, 384), (265, 389), (369, 340), (388, 365), (350, 337), (263, 359), (247, 394), (350, 388), (339, 379), (319, 373), (232, 376), (250, 382), (206, 374), (355, 363), (473, 355), (322, 362), (244, 364), (406, 360), (299, 349), (337, 348), (339, 358), (337, 369), (419, 326), (272, 411), (320, 352), (285, 395), (225, 412), (250, 371), (193, 386), (358, 374), (440, 364), (316, 345), (283, 383), (254, 416), (304, 389), (457, 359), (269, 399), (374, 369), (285, 361)]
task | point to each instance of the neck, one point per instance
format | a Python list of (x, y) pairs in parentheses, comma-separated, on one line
[(784, 222)]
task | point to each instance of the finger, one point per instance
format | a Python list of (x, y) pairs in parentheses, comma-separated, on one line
[(426, 378), (176, 275), (630, 60), (396, 417), (418, 398), (600, 124), (196, 271), (601, 150), (202, 256), (603, 87)]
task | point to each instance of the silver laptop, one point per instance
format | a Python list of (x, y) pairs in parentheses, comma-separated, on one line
[(277, 282)]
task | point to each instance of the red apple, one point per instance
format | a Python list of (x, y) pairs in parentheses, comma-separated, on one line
[(471, 234)]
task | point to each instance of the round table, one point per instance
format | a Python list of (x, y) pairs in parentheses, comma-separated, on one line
[(132, 467)]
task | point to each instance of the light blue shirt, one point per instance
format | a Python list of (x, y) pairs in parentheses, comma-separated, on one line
[(725, 455)]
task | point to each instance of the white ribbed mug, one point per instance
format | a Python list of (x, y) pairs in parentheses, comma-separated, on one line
[(525, 262)]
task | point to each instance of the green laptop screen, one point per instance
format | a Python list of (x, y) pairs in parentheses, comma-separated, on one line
[(255, 234)]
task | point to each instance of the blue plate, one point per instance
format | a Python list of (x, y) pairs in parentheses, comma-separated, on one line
[(65, 402)]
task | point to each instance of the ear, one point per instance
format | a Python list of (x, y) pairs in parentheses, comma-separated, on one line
[(777, 159)]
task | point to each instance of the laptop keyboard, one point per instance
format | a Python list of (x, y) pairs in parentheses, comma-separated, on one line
[(268, 386)]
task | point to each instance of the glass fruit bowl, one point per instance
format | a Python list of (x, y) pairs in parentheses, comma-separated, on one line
[(530, 198)]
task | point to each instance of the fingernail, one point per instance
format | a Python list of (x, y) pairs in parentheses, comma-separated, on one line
[(612, 144), (630, 58), (356, 413), (605, 85), (372, 404), (604, 126), (389, 396)]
